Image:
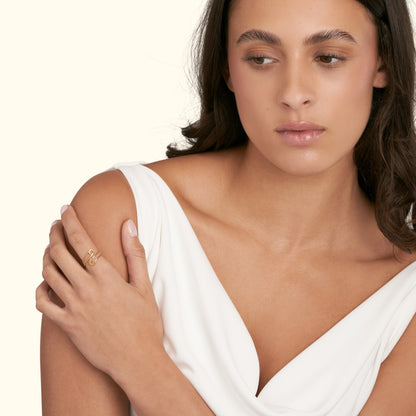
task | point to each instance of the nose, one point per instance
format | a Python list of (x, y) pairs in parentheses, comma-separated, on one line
[(296, 91)]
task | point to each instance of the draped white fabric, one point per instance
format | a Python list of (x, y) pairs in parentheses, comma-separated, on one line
[(209, 342)]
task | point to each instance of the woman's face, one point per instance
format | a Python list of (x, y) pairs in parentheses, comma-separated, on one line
[(303, 74)]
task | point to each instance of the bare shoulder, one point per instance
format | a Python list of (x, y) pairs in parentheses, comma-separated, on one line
[(394, 390), (107, 193), (199, 178), (105, 201), (183, 170), (102, 204)]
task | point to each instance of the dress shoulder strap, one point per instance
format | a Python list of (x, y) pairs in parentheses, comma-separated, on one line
[(148, 207), (404, 314)]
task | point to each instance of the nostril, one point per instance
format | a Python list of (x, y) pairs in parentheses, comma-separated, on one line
[(296, 103)]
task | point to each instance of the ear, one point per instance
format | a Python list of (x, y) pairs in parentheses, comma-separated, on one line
[(380, 78), (227, 77)]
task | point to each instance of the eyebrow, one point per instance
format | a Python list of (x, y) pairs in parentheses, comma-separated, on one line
[(261, 35), (272, 39), (334, 34)]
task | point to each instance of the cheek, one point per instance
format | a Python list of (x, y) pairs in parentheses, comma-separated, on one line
[(247, 88), (355, 95), (248, 85), (253, 95)]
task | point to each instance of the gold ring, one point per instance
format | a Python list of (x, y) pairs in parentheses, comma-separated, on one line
[(91, 257)]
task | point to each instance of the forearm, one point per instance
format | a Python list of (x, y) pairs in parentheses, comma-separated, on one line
[(161, 390)]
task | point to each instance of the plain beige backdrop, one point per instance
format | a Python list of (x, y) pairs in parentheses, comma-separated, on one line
[(83, 85)]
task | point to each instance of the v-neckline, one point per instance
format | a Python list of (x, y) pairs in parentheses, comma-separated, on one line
[(232, 305)]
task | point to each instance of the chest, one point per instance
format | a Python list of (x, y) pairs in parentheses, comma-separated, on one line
[(287, 302)]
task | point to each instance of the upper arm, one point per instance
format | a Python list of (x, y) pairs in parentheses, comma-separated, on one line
[(394, 392), (70, 384)]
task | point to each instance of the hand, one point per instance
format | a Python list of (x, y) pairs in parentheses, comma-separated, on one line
[(108, 319)]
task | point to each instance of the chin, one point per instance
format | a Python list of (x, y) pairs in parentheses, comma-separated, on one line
[(311, 161)]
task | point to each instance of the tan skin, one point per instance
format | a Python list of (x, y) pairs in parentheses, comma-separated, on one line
[(250, 203)]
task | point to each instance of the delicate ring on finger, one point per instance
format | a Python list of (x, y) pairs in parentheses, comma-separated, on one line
[(91, 257)]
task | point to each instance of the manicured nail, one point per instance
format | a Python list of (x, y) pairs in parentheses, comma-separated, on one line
[(55, 222), (132, 228), (64, 208)]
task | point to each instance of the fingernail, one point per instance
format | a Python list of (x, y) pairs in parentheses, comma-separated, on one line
[(64, 208), (55, 222), (132, 228)]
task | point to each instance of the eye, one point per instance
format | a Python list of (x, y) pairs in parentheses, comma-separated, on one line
[(260, 60), (329, 59)]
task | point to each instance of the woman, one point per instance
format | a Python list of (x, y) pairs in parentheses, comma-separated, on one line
[(279, 276)]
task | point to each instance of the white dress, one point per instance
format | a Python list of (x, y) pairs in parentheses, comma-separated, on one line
[(207, 339)]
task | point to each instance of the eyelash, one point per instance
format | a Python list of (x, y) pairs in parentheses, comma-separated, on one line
[(252, 59), (332, 56)]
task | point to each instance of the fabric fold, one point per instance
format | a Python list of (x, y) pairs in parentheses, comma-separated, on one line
[(209, 342)]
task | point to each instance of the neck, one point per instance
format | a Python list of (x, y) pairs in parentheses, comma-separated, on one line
[(291, 213)]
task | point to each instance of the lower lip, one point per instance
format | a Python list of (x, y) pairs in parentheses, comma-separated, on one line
[(300, 138)]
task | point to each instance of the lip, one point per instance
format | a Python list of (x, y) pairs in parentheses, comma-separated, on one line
[(300, 133)]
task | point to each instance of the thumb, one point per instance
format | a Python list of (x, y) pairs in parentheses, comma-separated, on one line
[(134, 253)]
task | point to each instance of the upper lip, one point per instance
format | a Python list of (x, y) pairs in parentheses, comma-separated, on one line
[(298, 126)]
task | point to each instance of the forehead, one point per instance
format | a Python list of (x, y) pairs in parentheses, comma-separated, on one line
[(299, 18)]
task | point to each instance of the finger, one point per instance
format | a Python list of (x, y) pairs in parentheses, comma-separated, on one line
[(55, 279), (62, 257), (135, 255), (80, 241), (47, 307)]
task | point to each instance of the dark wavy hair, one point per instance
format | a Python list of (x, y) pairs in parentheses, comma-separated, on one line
[(385, 155)]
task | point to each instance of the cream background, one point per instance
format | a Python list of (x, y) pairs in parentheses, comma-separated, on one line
[(83, 85)]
